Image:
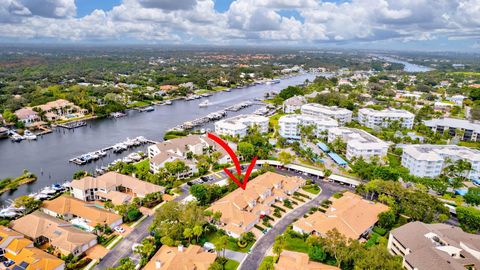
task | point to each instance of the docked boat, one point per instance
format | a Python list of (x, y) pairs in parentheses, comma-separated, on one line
[(148, 109), (117, 114), (17, 138), (168, 102), (28, 135), (206, 103), (8, 213)]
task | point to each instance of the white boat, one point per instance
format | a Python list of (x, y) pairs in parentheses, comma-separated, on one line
[(134, 156), (129, 143), (148, 109), (28, 135), (48, 191), (127, 160), (8, 213), (168, 102), (41, 196), (206, 103), (17, 138)]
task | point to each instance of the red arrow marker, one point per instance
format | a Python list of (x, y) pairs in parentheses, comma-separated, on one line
[(222, 143)]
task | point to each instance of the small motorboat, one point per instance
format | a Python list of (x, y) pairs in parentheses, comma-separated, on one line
[(206, 103), (28, 135), (168, 102)]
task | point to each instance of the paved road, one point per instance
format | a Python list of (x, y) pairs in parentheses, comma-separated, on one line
[(124, 248), (234, 255), (253, 260)]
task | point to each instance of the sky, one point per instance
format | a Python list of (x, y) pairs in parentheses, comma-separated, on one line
[(428, 25)]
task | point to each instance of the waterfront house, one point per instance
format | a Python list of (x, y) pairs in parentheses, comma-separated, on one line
[(435, 246), (61, 109), (168, 87), (109, 185), (59, 234), (289, 260), (351, 215), (242, 209), (172, 258), (27, 116), (23, 254), (80, 213)]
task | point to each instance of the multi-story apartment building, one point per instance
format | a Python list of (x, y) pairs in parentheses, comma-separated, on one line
[(290, 125), (372, 118), (342, 115), (464, 129), (294, 103), (426, 160), (434, 246), (238, 126), (359, 143)]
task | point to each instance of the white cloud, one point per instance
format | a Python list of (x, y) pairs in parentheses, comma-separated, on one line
[(247, 20)]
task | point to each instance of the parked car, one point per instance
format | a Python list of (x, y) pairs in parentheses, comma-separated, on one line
[(119, 229)]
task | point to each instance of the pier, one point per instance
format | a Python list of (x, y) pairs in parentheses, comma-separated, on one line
[(117, 148)]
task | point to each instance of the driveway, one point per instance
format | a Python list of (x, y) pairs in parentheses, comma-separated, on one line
[(234, 255), (124, 247), (253, 260)]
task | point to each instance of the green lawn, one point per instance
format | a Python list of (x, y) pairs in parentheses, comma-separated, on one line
[(295, 244), (231, 265), (139, 104), (143, 164), (219, 88), (232, 245), (314, 189)]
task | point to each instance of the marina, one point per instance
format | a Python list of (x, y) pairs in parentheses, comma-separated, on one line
[(48, 157), (116, 148)]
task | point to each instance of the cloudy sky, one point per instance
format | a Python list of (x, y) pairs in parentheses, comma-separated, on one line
[(387, 24)]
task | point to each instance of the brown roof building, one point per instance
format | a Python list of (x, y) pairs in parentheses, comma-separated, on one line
[(241, 209), (180, 258), (26, 257), (81, 212), (290, 260), (435, 246), (90, 188), (351, 215), (42, 228)]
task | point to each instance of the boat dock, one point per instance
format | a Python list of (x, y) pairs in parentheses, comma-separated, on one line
[(117, 148), (72, 125)]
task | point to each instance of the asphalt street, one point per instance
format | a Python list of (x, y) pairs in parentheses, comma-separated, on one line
[(253, 260)]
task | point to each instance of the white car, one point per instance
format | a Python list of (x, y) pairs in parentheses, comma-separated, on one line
[(119, 229)]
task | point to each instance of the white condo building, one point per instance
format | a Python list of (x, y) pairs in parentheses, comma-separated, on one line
[(359, 143), (427, 160), (294, 103), (372, 118), (470, 131), (290, 125), (238, 125), (342, 115)]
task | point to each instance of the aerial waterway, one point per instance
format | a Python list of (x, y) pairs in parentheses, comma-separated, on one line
[(48, 156), (408, 67)]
